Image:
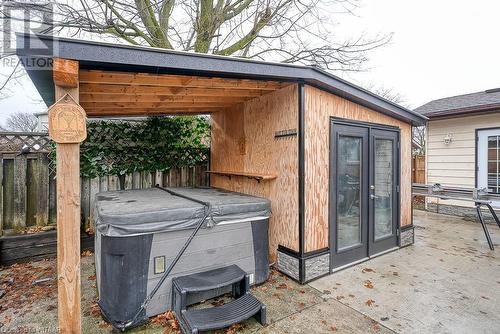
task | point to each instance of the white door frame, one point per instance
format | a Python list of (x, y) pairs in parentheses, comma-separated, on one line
[(482, 157)]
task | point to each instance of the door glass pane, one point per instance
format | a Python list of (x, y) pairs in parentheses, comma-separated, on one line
[(348, 192), (494, 163), (384, 167)]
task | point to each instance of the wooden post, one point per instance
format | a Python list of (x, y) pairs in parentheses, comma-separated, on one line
[(68, 237), (65, 75)]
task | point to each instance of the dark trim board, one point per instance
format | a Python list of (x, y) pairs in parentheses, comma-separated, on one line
[(107, 56), (296, 269), (346, 121), (299, 264), (407, 227), (288, 251), (301, 166), (30, 247), (307, 255)]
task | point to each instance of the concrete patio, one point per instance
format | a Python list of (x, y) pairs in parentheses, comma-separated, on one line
[(448, 282)]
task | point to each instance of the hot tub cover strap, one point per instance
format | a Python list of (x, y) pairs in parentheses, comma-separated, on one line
[(140, 316)]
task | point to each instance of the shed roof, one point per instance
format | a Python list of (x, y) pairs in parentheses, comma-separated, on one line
[(461, 105), (111, 57)]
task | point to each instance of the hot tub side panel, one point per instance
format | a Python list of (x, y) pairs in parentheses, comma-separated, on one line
[(243, 244), (127, 264), (122, 277), (244, 139)]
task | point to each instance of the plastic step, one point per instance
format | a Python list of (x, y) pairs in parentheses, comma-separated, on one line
[(210, 280), (224, 316)]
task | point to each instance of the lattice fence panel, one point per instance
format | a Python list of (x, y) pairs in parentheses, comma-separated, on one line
[(14, 142)]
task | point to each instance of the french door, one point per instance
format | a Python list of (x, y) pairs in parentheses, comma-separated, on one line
[(364, 184)]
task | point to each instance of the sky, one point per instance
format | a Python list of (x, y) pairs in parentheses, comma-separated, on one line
[(439, 48)]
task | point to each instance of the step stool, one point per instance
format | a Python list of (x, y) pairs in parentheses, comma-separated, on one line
[(219, 280)]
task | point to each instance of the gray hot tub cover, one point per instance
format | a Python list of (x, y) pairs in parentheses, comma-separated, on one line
[(153, 210)]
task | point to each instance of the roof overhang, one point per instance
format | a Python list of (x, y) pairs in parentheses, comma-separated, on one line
[(464, 112), (112, 57)]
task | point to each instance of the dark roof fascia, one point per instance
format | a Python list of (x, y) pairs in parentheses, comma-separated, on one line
[(469, 111), (107, 56)]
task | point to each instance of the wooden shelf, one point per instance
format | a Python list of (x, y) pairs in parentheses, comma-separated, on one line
[(255, 176)]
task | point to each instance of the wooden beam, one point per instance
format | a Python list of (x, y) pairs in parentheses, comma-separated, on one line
[(150, 112), (150, 105), (168, 80), (68, 225), (155, 107), (84, 99), (65, 73), (94, 89)]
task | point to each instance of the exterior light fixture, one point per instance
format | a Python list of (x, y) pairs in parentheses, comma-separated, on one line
[(448, 139)]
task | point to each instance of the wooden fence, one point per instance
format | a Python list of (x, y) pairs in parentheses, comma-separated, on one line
[(418, 169), (28, 193)]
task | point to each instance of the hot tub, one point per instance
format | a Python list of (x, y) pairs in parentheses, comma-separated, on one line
[(139, 232)]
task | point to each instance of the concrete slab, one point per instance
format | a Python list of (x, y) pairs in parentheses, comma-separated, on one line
[(327, 317), (448, 282)]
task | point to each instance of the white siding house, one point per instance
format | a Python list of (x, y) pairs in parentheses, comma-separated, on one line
[(43, 121), (462, 147)]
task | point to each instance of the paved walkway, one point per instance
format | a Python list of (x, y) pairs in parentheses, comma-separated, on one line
[(448, 282)]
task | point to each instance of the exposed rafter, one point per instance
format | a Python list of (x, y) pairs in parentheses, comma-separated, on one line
[(104, 93)]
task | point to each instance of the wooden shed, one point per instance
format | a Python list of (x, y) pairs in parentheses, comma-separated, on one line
[(333, 158)]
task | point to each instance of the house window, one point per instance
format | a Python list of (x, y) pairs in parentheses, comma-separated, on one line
[(494, 163)]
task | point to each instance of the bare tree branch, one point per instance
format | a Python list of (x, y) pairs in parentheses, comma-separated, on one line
[(418, 133), (22, 121), (292, 31)]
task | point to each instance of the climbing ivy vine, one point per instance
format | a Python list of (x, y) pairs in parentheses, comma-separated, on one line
[(157, 143)]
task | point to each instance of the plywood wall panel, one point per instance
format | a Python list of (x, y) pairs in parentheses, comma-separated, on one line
[(319, 107), (243, 140)]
